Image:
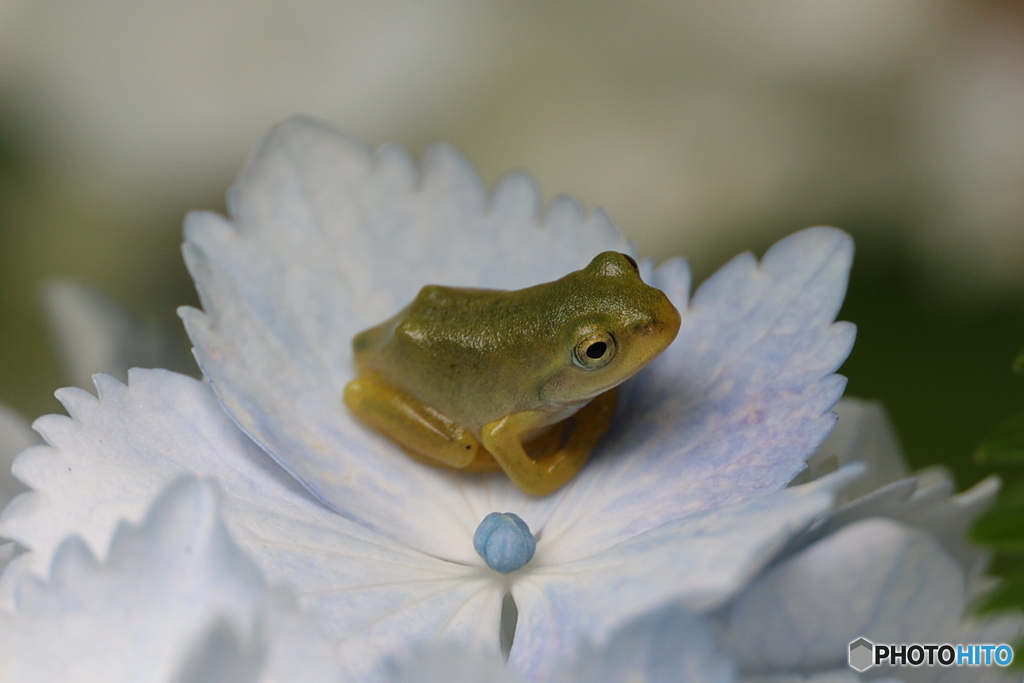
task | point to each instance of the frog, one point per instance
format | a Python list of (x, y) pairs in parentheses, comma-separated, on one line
[(523, 381)]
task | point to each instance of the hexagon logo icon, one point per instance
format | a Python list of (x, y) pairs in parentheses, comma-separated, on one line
[(862, 654)]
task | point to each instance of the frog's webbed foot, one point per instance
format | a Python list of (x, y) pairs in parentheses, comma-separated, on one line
[(415, 425), (548, 471)]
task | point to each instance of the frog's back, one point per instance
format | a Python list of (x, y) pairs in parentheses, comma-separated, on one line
[(449, 348), (438, 317)]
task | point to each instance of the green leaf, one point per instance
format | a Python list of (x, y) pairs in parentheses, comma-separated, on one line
[(1005, 443), (1008, 595), (1001, 530), (1005, 565)]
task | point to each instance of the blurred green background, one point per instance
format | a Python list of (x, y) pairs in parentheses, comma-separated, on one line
[(704, 128)]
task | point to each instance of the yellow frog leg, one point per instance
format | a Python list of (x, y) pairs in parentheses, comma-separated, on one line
[(415, 425), (548, 471)]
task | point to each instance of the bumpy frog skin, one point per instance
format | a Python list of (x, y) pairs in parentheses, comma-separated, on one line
[(463, 377)]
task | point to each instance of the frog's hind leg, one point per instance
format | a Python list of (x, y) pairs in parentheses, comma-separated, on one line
[(548, 472), (415, 425)]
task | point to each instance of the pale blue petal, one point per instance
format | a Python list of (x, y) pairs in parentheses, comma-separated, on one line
[(993, 674), (927, 502), (1005, 628), (877, 578), (7, 553), (96, 334), (446, 663), (862, 434), (1002, 629), (373, 595), (836, 676), (669, 645), (699, 561), (176, 597), (15, 436), (297, 649), (326, 238), (731, 410)]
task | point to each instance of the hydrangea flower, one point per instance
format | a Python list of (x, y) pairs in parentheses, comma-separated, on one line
[(684, 501), (229, 626), (667, 644), (891, 564), (176, 599)]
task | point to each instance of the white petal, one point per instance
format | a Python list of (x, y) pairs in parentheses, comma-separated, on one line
[(669, 644), (862, 434), (930, 505), (847, 675), (327, 238), (449, 664), (176, 597), (878, 579), (7, 553), (1004, 628), (924, 501), (731, 410), (372, 594), (699, 561)]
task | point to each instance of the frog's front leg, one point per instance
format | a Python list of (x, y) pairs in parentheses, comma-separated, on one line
[(410, 422), (543, 475)]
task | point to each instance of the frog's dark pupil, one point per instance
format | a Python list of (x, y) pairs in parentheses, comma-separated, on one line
[(632, 262), (596, 350)]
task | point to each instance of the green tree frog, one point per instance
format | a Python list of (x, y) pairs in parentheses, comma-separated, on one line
[(522, 381)]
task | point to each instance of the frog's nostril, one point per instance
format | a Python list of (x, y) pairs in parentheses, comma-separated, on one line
[(504, 541), (645, 328)]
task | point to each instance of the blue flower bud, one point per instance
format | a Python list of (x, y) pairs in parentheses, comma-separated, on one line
[(504, 541)]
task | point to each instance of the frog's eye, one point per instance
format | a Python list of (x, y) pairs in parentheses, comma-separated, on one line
[(613, 264), (595, 351)]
